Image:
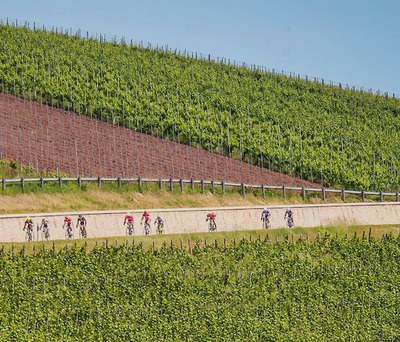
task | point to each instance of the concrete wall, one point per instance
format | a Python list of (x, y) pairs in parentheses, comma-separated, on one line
[(192, 220)]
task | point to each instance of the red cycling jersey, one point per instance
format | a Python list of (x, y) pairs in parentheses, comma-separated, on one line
[(146, 217), (68, 221)]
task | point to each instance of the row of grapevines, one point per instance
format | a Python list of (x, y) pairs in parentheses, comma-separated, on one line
[(332, 290), (317, 131)]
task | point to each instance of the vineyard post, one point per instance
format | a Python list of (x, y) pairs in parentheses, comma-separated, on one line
[(86, 246), (190, 246), (181, 242), (22, 183), (202, 187), (323, 194), (243, 189), (171, 184), (106, 243), (192, 184), (140, 184), (126, 244), (343, 195), (23, 251), (224, 242), (212, 187), (363, 195), (369, 234), (41, 182), (44, 248), (263, 190), (397, 196), (363, 235), (181, 184), (284, 191), (381, 196), (54, 249), (160, 183), (303, 192), (99, 182), (154, 248), (215, 243), (3, 184), (12, 250), (60, 182), (34, 250), (79, 182), (119, 182)]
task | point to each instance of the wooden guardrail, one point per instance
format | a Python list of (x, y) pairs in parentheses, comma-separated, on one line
[(171, 182)]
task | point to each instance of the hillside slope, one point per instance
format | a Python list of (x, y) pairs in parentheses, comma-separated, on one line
[(52, 139), (311, 129)]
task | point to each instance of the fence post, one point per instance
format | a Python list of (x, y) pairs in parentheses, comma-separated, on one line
[(99, 182), (140, 183), (381, 196), (343, 195), (284, 191), (192, 184), (181, 184), (223, 187), (202, 187), (3, 184), (363, 195), (212, 187), (41, 182), (79, 182), (171, 184), (119, 182), (22, 183), (323, 194), (243, 189), (160, 183), (263, 190), (60, 182), (303, 192)]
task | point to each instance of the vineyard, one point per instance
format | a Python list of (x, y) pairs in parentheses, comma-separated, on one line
[(319, 132), (330, 289)]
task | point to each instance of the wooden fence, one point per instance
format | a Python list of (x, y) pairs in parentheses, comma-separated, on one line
[(171, 182)]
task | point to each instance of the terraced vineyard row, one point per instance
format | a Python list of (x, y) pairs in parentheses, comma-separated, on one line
[(318, 132), (333, 290)]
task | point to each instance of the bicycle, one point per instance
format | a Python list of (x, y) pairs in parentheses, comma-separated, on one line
[(212, 226), (160, 227), (45, 233), (266, 223), (82, 231), (29, 235), (69, 233), (289, 222), (146, 228), (129, 229)]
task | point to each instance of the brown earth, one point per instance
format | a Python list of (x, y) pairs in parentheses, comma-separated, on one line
[(53, 139)]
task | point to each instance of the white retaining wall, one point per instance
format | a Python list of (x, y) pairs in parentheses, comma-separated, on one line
[(192, 220)]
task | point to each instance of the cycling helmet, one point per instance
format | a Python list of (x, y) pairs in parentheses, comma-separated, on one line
[(128, 214), (80, 216), (267, 211), (28, 218), (43, 220)]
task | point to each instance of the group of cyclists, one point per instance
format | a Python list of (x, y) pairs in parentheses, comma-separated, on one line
[(81, 222), (159, 222), (266, 218), (44, 228)]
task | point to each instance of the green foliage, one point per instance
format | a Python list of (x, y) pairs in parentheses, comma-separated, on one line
[(288, 124), (333, 290)]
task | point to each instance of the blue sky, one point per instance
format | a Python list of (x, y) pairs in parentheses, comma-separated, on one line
[(354, 42)]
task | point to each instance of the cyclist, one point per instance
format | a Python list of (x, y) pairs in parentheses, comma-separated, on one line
[(160, 224), (45, 226), (28, 224), (129, 220), (68, 224), (146, 217), (82, 223), (211, 217), (265, 217), (289, 215)]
